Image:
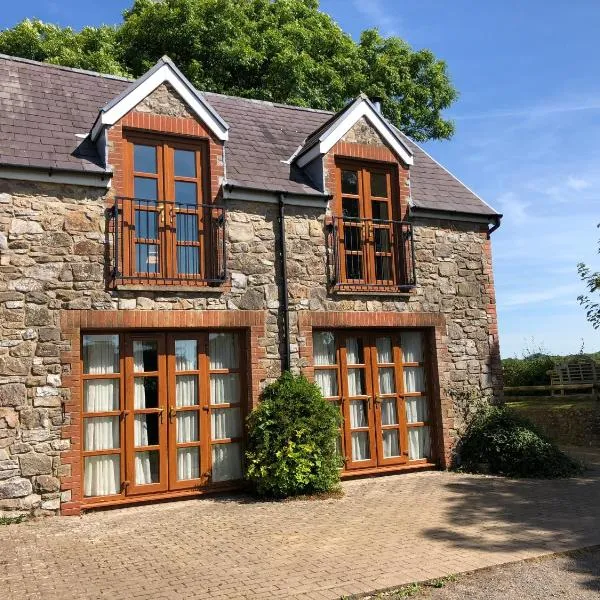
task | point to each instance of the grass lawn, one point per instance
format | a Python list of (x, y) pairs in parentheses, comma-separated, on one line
[(551, 402)]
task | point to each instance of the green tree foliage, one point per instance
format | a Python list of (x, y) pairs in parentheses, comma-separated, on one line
[(291, 440), (592, 282), (279, 50), (529, 370)]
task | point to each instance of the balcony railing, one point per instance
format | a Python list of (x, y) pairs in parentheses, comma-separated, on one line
[(167, 243), (371, 255)]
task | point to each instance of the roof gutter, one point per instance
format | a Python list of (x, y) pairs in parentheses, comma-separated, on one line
[(234, 191), (450, 215), (55, 175)]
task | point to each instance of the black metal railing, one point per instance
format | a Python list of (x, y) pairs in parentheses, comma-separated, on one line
[(371, 254), (166, 242)]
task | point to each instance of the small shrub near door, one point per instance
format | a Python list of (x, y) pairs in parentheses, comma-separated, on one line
[(291, 440), (500, 442)]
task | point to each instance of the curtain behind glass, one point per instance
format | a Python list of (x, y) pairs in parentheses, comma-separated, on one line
[(391, 443), (412, 346), (384, 350), (324, 348), (143, 473), (418, 443), (327, 382), (101, 475), (360, 445), (224, 388), (226, 462), (223, 350), (100, 354)]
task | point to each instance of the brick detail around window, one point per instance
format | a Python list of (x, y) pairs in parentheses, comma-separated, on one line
[(73, 322)]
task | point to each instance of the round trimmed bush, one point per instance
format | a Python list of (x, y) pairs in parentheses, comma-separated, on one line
[(500, 442), (291, 440)]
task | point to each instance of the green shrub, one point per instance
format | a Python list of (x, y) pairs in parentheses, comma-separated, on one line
[(291, 440), (531, 370), (501, 442)]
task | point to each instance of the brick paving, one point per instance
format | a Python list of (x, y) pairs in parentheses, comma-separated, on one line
[(383, 532)]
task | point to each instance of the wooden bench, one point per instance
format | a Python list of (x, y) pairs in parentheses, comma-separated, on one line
[(583, 374)]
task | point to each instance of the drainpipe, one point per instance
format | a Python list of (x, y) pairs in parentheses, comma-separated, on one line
[(494, 227), (284, 286)]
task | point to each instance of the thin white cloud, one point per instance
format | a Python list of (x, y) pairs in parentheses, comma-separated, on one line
[(577, 183), (379, 15), (513, 208), (538, 296)]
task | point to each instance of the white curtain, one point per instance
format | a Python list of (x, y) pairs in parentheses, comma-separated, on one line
[(186, 394), (384, 350), (324, 348), (101, 433), (143, 471), (186, 355), (360, 445), (101, 475), (418, 443), (414, 379), (224, 388), (101, 395), (225, 423), (100, 354), (386, 380), (223, 351), (416, 410), (327, 382), (389, 415), (391, 443), (358, 414), (188, 463), (412, 346), (356, 382), (353, 354), (226, 462)]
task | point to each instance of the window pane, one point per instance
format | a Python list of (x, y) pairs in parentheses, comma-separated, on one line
[(384, 350), (144, 158), (186, 355), (387, 380), (226, 461), (381, 237), (389, 414), (379, 185), (102, 475), (418, 443), (187, 228), (100, 395), (391, 443), (324, 348), (224, 389), (185, 163), (350, 208), (225, 423), (145, 188), (354, 266), (358, 414), (186, 390), (355, 352), (350, 182), (146, 430), (327, 382), (383, 268), (146, 257), (187, 426), (146, 224), (188, 463), (223, 350), (101, 433), (188, 260), (145, 356), (356, 382), (147, 467), (412, 346), (185, 193), (100, 354), (360, 446), (416, 410), (145, 392), (353, 237), (380, 210), (414, 379)]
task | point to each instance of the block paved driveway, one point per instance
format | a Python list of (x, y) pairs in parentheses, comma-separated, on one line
[(383, 532)]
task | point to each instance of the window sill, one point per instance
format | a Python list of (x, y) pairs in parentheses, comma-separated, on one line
[(365, 290), (172, 288)]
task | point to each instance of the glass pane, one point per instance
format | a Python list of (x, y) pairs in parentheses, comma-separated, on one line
[(380, 210), (327, 382), (383, 268), (188, 463), (356, 382), (412, 346), (358, 414), (354, 266), (186, 355), (355, 352), (223, 350), (145, 188), (353, 238), (391, 443), (185, 163), (145, 356), (146, 257), (146, 224), (324, 348), (226, 461), (379, 185), (145, 392), (360, 446), (147, 467), (381, 236), (418, 443), (226, 423), (100, 354), (384, 350), (350, 208), (187, 426), (188, 260), (144, 158), (100, 395), (224, 388), (186, 390), (186, 193), (101, 433), (414, 379), (187, 227), (101, 475), (146, 430), (350, 182), (387, 380), (416, 410), (389, 414)]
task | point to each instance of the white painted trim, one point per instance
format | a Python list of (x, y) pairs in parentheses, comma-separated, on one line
[(250, 195), (49, 176), (164, 74), (340, 127)]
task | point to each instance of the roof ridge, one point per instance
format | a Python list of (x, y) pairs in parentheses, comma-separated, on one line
[(30, 61)]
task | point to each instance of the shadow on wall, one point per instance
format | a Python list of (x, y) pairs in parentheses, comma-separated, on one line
[(507, 515)]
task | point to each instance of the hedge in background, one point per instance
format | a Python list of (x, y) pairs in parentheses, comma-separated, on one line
[(291, 440), (500, 442)]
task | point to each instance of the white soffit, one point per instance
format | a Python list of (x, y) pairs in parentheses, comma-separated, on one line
[(161, 73), (338, 129)]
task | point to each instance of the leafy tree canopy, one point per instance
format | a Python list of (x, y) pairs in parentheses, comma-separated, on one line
[(280, 50), (592, 282)]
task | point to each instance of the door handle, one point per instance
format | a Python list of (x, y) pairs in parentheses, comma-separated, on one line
[(172, 412), (378, 399)]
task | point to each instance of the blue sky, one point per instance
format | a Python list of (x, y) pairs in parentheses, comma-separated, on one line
[(527, 139)]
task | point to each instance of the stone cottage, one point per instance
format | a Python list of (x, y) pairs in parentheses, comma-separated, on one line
[(166, 252)]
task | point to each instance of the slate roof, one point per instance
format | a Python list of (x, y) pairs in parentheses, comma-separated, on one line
[(46, 110)]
